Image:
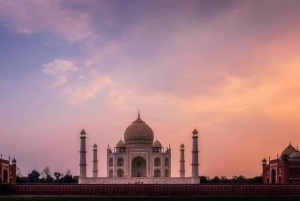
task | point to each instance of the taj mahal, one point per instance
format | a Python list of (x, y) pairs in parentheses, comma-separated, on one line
[(139, 159)]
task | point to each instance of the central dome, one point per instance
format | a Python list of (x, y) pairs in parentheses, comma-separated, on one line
[(138, 133)]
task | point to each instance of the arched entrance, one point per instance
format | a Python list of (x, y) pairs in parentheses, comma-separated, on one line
[(110, 173), (120, 173), (167, 174), (273, 176), (157, 162), (120, 162), (167, 162), (111, 162), (5, 176), (138, 167), (157, 173)]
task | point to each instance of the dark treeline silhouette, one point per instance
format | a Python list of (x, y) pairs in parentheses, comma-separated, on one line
[(234, 180), (46, 177)]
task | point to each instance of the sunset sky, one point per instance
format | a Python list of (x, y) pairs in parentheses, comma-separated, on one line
[(229, 68)]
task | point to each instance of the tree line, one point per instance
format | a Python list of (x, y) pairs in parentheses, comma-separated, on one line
[(234, 180), (46, 177)]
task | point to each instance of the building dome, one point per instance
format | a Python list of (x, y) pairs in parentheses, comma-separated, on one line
[(156, 144), (264, 160), (295, 155), (138, 133), (289, 150), (121, 143)]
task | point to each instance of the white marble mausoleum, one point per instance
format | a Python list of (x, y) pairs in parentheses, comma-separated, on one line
[(139, 159)]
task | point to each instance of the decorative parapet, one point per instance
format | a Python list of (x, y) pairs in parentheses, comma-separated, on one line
[(139, 180)]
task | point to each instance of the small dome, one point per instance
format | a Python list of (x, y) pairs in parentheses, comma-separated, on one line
[(138, 133), (121, 143), (14, 160), (182, 145), (156, 144), (83, 132), (95, 146), (195, 131), (289, 150), (264, 160), (295, 155)]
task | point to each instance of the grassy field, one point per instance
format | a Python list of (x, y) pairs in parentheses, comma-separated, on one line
[(145, 198)]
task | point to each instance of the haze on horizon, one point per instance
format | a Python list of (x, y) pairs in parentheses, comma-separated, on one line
[(229, 68)]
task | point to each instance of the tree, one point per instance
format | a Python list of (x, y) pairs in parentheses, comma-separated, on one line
[(204, 179), (257, 179), (75, 179), (46, 174), (68, 178), (238, 179), (33, 177), (46, 171), (20, 178), (216, 179), (224, 179), (49, 179), (57, 175)]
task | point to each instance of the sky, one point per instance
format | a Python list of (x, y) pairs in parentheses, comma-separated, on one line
[(229, 68)]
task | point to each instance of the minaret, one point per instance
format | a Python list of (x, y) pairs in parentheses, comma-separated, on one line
[(95, 161), (182, 166), (82, 154), (195, 152), (264, 176)]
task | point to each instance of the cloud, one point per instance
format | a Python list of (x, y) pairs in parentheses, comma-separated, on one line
[(59, 67), (55, 17), (85, 89), (60, 80)]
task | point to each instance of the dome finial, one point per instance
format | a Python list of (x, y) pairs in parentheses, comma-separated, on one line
[(82, 132), (139, 115)]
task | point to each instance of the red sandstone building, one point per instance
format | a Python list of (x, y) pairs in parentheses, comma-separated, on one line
[(8, 171), (284, 169)]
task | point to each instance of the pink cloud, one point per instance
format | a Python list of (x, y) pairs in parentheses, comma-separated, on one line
[(46, 16), (59, 67)]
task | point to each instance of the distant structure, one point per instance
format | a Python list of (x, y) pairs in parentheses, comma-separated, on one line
[(8, 171), (284, 169), (195, 164), (182, 161), (82, 154), (95, 161), (139, 159)]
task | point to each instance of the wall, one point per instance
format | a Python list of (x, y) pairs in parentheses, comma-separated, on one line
[(155, 189), (139, 180)]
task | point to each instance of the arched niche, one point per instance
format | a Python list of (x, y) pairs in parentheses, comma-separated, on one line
[(138, 167), (157, 173)]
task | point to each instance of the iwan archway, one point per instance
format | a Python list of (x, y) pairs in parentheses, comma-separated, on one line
[(138, 167), (5, 176)]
